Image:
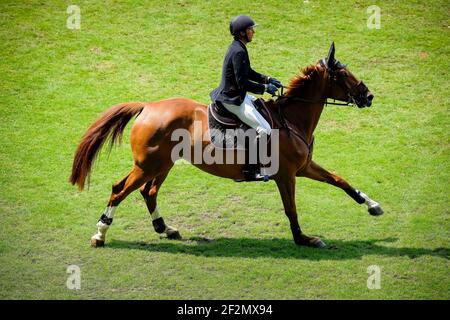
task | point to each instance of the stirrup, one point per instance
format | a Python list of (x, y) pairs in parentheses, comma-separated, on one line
[(262, 177), (257, 177), (264, 174), (254, 175)]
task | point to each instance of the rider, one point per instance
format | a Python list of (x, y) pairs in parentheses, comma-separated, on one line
[(238, 78)]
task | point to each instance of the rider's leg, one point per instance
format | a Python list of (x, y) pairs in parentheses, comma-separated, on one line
[(264, 131), (249, 115)]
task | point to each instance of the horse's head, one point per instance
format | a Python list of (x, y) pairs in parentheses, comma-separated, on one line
[(343, 85)]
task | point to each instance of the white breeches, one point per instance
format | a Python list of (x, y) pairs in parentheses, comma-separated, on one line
[(249, 115)]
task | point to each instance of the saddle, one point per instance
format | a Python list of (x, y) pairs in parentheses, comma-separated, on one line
[(220, 120), (222, 126)]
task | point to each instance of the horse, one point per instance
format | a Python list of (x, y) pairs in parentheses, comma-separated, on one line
[(298, 113)]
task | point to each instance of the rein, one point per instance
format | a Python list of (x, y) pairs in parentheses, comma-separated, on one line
[(323, 100)]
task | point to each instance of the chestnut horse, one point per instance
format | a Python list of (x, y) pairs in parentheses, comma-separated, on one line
[(299, 110)]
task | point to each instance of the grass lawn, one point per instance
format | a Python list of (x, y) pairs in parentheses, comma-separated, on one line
[(236, 244)]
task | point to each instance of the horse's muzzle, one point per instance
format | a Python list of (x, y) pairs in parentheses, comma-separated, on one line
[(364, 99), (369, 99), (360, 95)]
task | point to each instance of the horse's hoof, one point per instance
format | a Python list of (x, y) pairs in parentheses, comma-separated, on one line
[(312, 242), (97, 243), (173, 234), (317, 243), (376, 210)]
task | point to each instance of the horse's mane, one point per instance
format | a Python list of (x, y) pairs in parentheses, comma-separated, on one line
[(300, 81)]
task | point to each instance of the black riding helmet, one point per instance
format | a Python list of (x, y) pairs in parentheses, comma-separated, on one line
[(241, 23)]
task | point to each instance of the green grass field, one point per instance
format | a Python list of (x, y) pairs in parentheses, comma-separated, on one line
[(236, 239)]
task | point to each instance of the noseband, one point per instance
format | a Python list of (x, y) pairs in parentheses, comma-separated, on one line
[(353, 92)]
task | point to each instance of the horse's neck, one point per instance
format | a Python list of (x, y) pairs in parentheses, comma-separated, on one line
[(305, 115)]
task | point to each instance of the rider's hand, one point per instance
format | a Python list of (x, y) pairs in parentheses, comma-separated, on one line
[(270, 88), (275, 82)]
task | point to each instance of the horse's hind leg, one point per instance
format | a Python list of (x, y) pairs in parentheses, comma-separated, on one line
[(120, 191), (150, 192), (316, 172)]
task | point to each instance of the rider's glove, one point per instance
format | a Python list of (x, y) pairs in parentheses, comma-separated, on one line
[(270, 88), (275, 82)]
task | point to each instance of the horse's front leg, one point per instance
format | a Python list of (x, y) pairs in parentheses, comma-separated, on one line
[(316, 172), (286, 186)]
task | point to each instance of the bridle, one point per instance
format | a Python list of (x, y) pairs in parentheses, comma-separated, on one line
[(332, 79)]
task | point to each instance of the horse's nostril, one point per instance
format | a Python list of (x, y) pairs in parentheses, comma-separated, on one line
[(370, 96)]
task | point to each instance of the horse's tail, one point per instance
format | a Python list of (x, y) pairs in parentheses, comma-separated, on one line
[(111, 124)]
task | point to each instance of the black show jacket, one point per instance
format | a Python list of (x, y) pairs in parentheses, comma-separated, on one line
[(237, 76)]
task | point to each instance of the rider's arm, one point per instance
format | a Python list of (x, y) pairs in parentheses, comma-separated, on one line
[(257, 77)]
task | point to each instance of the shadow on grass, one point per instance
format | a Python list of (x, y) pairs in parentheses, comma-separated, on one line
[(279, 248)]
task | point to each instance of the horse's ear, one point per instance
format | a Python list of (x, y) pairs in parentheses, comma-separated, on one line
[(330, 58)]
